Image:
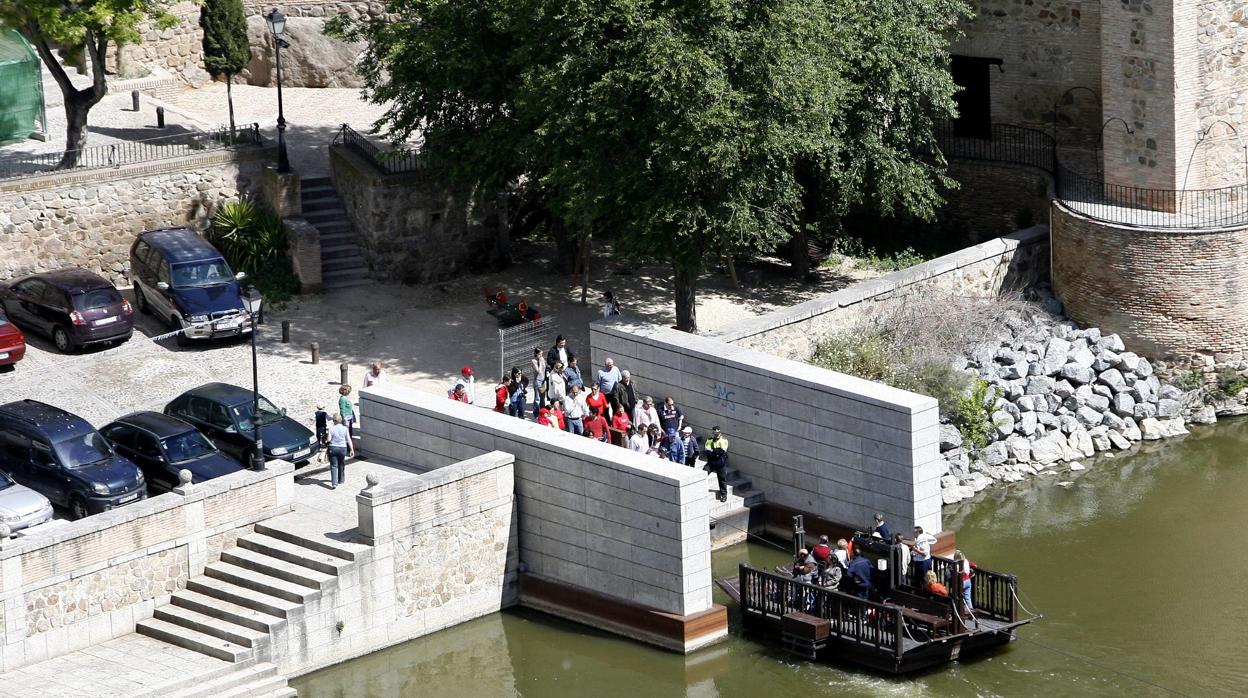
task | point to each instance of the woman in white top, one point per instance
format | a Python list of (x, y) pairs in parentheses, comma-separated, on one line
[(556, 387), (637, 440)]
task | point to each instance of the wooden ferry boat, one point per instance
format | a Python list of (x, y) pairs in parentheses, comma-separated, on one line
[(905, 631)]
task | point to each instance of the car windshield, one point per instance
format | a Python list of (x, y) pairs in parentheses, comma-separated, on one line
[(268, 414), (6, 481), (84, 449), (199, 274), (97, 298), (188, 446)]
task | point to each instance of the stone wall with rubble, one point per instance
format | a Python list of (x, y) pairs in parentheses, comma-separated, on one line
[(1168, 293), (409, 228), (1222, 41), (1015, 261), (80, 583), (89, 218), (178, 49)]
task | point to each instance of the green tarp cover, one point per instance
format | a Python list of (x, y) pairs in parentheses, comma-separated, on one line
[(21, 87)]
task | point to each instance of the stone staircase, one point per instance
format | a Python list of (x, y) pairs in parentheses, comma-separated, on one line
[(342, 263), (233, 611), (730, 520)]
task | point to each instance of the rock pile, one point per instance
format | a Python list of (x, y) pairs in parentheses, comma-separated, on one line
[(1061, 394)]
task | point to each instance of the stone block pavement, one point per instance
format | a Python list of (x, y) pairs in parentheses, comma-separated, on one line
[(131, 665)]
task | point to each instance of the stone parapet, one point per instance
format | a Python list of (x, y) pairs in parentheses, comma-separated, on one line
[(305, 253), (71, 585), (1011, 262)]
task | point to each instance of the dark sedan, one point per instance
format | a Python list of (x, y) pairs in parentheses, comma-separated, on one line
[(73, 307), (12, 343), (162, 446), (223, 413)]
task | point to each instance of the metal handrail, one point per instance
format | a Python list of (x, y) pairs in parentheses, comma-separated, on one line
[(115, 155), (1091, 195), (392, 161)]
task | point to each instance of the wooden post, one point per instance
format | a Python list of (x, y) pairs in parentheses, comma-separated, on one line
[(285, 331)]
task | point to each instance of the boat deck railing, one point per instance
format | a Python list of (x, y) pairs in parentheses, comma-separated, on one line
[(865, 622), (993, 595)]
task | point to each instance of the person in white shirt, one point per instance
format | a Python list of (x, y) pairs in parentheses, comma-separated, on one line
[(637, 440), (644, 414), (340, 448), (470, 384), (574, 410), (374, 375), (921, 559)]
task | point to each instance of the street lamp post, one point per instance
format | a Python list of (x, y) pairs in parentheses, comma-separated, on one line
[(277, 26), (252, 302)]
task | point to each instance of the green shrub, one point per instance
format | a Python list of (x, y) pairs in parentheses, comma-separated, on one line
[(1189, 380), (253, 239), (973, 412), (1231, 383)]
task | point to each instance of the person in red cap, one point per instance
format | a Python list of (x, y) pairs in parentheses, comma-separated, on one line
[(470, 385)]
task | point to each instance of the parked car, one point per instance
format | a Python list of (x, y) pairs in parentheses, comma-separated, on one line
[(62, 457), (20, 506), (162, 446), (186, 282), (73, 307), (223, 413), (12, 343)]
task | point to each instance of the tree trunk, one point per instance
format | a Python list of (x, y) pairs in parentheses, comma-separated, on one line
[(686, 283), (565, 246), (229, 98), (76, 111), (799, 253), (78, 103), (585, 270)]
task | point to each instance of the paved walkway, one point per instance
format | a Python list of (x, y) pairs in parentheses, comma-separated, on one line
[(130, 665)]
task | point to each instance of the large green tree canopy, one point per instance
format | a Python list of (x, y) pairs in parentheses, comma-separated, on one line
[(683, 128)]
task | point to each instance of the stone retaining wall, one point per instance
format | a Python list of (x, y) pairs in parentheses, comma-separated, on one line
[(1168, 293), (89, 218), (69, 585), (409, 228), (995, 199), (628, 532), (1014, 261), (813, 440)]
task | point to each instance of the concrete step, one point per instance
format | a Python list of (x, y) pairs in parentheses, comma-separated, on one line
[(240, 677), (261, 582), (274, 528), (339, 249), (730, 524), (315, 181), (293, 553), (335, 228), (193, 640), (242, 596), (204, 623), (334, 214), (313, 191), (228, 611), (348, 283), (276, 567), (260, 688), (329, 203), (344, 262)]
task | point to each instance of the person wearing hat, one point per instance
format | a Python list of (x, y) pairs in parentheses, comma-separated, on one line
[(688, 446), (470, 384), (322, 429), (717, 460)]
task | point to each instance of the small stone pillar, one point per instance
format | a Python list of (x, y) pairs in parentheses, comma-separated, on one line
[(184, 483)]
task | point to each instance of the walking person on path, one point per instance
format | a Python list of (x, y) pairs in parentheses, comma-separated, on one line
[(597, 401), (539, 378), (340, 448), (644, 415), (519, 392), (346, 409), (670, 416), (322, 419), (608, 376), (502, 395), (921, 559), (625, 393), (716, 449), (610, 306), (689, 446), (374, 375), (470, 384), (572, 373), (559, 353), (575, 410), (556, 389)]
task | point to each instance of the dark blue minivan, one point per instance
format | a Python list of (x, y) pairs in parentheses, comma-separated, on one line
[(62, 457), (186, 282)]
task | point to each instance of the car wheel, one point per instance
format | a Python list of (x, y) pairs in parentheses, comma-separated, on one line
[(182, 339), (62, 340), (78, 508)]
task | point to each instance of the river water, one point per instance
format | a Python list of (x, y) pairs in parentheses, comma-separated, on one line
[(1136, 563)]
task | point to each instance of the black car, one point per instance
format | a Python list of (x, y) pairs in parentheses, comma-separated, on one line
[(186, 282), (223, 413), (73, 307), (162, 446), (62, 457)]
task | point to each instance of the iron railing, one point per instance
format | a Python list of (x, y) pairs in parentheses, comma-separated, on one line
[(992, 593), (121, 153), (1091, 195), (854, 619), (391, 161)]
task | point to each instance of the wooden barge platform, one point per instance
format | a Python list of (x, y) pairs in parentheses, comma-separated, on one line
[(904, 631)]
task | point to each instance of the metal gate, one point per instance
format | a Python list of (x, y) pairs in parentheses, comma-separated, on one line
[(516, 343)]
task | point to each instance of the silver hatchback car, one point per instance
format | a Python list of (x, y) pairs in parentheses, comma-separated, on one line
[(20, 506)]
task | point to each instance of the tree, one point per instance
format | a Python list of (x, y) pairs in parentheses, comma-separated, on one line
[(684, 129), (88, 23), (226, 48)]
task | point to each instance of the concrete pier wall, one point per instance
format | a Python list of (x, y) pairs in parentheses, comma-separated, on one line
[(812, 440), (608, 537)]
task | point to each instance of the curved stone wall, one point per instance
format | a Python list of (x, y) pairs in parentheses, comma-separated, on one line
[(1166, 292)]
